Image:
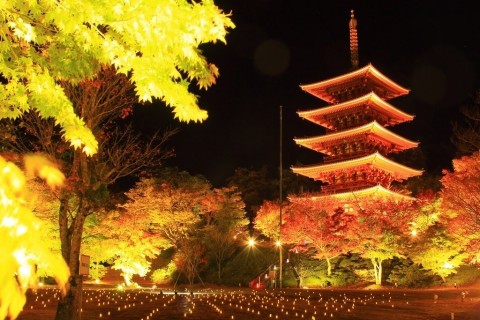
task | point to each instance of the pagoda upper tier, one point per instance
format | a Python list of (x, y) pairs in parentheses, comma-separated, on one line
[(357, 141), (355, 84), (355, 112)]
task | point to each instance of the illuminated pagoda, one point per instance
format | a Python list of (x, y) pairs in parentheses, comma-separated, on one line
[(357, 141)]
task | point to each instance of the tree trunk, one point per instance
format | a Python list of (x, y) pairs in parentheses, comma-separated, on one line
[(69, 307), (377, 267), (329, 267), (219, 266)]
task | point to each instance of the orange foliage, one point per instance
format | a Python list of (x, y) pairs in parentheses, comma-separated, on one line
[(460, 194)]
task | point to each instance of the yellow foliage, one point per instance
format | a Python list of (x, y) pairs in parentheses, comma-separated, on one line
[(22, 250), (38, 165)]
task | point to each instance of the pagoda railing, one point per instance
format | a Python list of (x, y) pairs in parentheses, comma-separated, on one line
[(332, 189), (345, 157)]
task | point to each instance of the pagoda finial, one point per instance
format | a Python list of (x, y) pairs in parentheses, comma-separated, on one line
[(353, 40)]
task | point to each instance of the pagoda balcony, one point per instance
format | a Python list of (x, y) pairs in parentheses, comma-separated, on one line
[(353, 186), (349, 156)]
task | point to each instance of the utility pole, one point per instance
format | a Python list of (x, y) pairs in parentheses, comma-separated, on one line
[(280, 248)]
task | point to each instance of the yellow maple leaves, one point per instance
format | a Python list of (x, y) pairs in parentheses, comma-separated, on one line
[(22, 250), (154, 42)]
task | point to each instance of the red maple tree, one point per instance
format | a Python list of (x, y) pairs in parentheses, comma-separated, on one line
[(461, 201)]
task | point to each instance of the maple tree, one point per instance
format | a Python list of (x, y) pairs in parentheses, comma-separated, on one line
[(21, 232), (225, 220), (267, 220), (44, 42), (438, 251), (174, 203), (128, 243), (155, 43), (383, 227), (190, 258), (102, 102), (461, 203), (174, 200), (321, 227)]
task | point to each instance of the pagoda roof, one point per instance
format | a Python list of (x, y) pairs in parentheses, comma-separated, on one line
[(372, 100), (326, 89), (371, 192), (375, 160), (318, 143)]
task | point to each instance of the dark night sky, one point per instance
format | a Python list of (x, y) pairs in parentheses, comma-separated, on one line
[(429, 47)]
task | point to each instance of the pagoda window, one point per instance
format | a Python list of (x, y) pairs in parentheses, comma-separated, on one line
[(357, 119), (334, 150), (348, 148), (355, 176)]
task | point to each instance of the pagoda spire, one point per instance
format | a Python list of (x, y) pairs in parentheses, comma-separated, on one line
[(353, 41)]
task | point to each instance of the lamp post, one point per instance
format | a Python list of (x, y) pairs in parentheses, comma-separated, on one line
[(279, 242)]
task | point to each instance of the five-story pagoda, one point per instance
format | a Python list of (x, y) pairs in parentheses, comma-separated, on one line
[(357, 142)]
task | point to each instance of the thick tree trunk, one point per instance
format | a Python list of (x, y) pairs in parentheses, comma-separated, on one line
[(69, 307)]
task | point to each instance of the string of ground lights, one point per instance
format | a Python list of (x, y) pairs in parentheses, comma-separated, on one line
[(152, 304)]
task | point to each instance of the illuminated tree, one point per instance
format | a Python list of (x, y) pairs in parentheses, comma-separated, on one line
[(267, 219), (177, 206), (438, 251), (319, 227), (225, 221), (45, 205), (383, 228), (190, 257), (102, 102), (428, 212), (22, 248), (154, 42), (127, 241), (461, 202), (165, 273), (174, 202)]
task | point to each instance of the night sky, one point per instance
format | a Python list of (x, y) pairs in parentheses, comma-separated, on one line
[(429, 47)]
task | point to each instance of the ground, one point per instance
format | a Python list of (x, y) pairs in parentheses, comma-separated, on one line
[(243, 303)]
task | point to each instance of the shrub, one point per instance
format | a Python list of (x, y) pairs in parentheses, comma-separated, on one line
[(165, 273)]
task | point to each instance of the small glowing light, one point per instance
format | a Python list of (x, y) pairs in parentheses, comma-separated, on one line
[(448, 265), (414, 233), (251, 242), (278, 243)]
